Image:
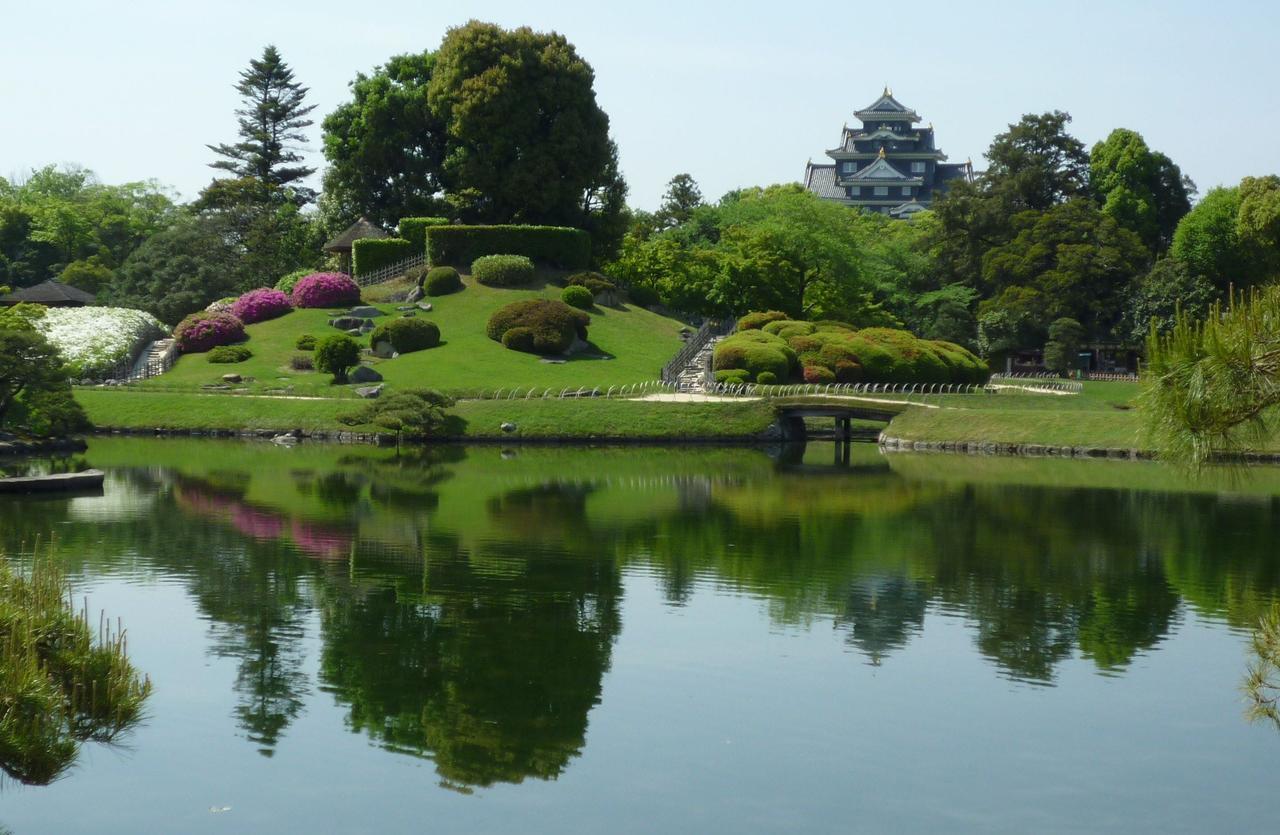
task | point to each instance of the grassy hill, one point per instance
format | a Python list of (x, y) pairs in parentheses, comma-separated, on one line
[(466, 361)]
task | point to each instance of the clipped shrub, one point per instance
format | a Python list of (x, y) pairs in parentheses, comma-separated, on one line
[(306, 342), (441, 281), (406, 335), (594, 282), (519, 339), (414, 230), (325, 290), (228, 354), (731, 377), (767, 378), (553, 326), (260, 305), (336, 355), (204, 330), (302, 362), (754, 352), (755, 321), (369, 254), (787, 328), (502, 270), (577, 296), (222, 305), (286, 282), (818, 374), (555, 246)]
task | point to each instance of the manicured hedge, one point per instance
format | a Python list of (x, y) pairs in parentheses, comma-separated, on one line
[(325, 290), (577, 296), (594, 282), (406, 335), (556, 246), (260, 305), (754, 352), (441, 281), (228, 354), (204, 330), (369, 254), (755, 321), (502, 270), (541, 326), (414, 230)]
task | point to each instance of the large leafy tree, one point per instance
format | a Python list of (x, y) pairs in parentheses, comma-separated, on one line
[(1232, 236), (272, 118), (1157, 297), (1142, 189), (1036, 163), (385, 147), (29, 365), (180, 270)]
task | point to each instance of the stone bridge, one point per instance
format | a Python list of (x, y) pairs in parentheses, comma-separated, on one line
[(793, 411)]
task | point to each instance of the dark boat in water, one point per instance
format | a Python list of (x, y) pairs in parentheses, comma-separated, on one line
[(55, 483)]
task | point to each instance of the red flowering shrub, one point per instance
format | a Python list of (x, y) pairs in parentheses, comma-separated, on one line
[(818, 374), (260, 305), (325, 290), (205, 329)]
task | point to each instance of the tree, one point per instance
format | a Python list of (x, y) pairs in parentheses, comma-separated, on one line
[(526, 141), (414, 413), (1170, 286), (385, 147), (28, 365), (271, 120), (1207, 241), (336, 355), (1142, 189), (1063, 348), (180, 270), (678, 202), (1258, 223), (1036, 163)]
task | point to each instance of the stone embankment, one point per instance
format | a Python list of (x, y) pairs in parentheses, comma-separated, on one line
[(10, 445), (996, 448)]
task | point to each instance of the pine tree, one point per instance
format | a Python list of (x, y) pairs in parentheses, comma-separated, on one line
[(271, 124)]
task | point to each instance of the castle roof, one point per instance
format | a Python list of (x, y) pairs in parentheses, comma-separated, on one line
[(880, 170), (821, 180), (887, 107)]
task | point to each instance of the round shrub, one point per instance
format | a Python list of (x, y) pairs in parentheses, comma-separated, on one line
[(554, 325), (228, 354), (767, 378), (325, 290), (519, 339), (502, 270), (731, 377), (788, 328), (286, 283), (204, 330), (406, 335), (335, 354), (818, 374), (442, 281), (221, 305), (577, 296), (302, 362), (306, 342), (594, 282), (755, 321), (260, 305), (754, 352)]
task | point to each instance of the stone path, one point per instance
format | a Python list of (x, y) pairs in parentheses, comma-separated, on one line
[(693, 377), (152, 353)]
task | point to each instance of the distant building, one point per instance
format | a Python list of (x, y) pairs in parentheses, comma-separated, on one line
[(49, 293), (887, 165)]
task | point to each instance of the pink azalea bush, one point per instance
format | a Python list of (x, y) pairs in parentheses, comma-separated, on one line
[(325, 290), (260, 305), (205, 329)]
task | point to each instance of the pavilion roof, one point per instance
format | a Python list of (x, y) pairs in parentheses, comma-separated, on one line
[(362, 228), (49, 292)]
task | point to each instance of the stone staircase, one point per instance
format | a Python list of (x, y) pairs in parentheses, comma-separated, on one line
[(693, 376), (153, 360)]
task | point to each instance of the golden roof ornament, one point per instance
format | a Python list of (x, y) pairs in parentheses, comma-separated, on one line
[(881, 152)]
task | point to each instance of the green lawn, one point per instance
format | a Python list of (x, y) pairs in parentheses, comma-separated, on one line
[(467, 361)]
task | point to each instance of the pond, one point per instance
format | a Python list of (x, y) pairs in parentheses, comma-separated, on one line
[(664, 639)]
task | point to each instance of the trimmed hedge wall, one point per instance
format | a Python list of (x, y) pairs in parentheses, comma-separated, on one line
[(369, 254), (414, 230), (555, 246)]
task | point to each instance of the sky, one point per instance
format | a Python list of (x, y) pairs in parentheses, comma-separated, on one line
[(733, 93)]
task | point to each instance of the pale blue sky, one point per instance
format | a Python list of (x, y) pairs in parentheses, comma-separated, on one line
[(735, 93)]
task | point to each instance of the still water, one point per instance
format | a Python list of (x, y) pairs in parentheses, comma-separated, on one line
[(648, 640)]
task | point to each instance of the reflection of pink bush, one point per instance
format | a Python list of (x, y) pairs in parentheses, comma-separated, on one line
[(320, 540), (257, 524), (325, 290), (260, 305)]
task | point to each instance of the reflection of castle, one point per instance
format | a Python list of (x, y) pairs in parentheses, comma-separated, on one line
[(882, 613), (888, 165)]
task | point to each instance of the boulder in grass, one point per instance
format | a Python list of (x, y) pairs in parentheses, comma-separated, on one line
[(384, 350), (369, 392), (509, 427), (416, 294), (365, 312), (231, 378), (364, 374), (346, 323)]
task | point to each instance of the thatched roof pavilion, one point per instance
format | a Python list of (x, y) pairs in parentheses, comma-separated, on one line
[(50, 294), (362, 228)]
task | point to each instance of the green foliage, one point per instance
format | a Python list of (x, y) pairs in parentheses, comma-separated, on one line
[(51, 412), (1206, 241), (28, 365), (336, 355), (302, 362), (441, 281), (406, 335), (555, 246), (1036, 163), (229, 354), (594, 282), (1141, 189), (756, 321), (1170, 286), (1061, 352), (90, 275), (306, 342), (286, 282), (1262, 682), (753, 352), (502, 270), (370, 254), (577, 296), (679, 202), (416, 413), (552, 326), (414, 230), (734, 376), (1258, 223), (766, 378), (272, 118)]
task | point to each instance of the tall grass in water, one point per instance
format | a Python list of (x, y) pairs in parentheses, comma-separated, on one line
[(60, 684)]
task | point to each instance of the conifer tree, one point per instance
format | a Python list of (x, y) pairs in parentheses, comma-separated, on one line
[(271, 119)]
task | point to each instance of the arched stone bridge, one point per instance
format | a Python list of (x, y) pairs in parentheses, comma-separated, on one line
[(792, 412)]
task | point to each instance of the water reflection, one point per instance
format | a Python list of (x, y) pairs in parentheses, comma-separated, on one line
[(467, 603)]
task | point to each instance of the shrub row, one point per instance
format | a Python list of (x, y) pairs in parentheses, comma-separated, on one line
[(538, 326), (414, 230), (369, 254), (556, 246), (406, 335), (502, 270)]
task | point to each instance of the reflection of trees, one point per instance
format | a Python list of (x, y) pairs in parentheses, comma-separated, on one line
[(490, 669)]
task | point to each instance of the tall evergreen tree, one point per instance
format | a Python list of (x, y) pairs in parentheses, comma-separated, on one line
[(679, 201), (271, 124)]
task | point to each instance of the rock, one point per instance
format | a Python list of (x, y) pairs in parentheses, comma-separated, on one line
[(384, 350), (284, 440), (354, 332), (231, 378), (346, 323), (415, 295), (424, 306), (406, 307), (364, 374), (579, 345), (410, 314), (551, 361), (366, 327), (365, 312), (509, 428), (369, 392)]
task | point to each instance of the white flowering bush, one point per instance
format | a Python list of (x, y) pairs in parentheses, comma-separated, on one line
[(94, 340)]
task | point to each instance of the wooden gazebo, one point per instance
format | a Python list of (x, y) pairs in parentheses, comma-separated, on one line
[(341, 245), (50, 294)]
